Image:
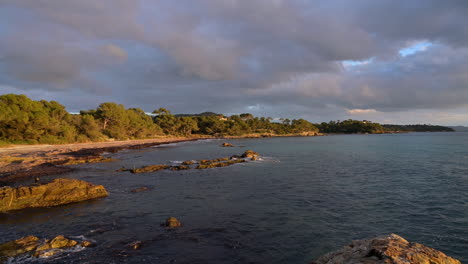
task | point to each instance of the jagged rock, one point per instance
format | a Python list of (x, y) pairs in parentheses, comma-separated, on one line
[(390, 249), (150, 168), (58, 242), (57, 192), (172, 222), (250, 154), (225, 144), (141, 189)]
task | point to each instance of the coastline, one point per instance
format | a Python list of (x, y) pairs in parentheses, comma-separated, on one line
[(18, 162), (25, 161)]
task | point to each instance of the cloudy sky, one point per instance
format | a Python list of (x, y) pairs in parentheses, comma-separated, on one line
[(391, 61)]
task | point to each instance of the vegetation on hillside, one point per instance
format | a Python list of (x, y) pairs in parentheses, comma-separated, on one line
[(23, 120)]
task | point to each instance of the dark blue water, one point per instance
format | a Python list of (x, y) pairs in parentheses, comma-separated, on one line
[(308, 196)]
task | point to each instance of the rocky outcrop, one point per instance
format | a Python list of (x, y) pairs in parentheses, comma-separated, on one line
[(58, 192), (225, 144), (219, 164), (39, 248), (150, 168), (202, 164), (250, 154), (172, 222), (391, 249)]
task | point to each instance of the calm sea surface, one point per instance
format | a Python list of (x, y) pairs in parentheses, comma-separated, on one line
[(306, 197)]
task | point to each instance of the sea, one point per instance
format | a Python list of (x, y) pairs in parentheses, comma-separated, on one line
[(304, 197)]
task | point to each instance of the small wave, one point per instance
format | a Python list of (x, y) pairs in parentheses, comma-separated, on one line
[(267, 159), (60, 253)]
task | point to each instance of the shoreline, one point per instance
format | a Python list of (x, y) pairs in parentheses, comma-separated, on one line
[(22, 162)]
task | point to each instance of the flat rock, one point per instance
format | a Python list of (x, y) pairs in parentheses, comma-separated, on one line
[(390, 249), (57, 192)]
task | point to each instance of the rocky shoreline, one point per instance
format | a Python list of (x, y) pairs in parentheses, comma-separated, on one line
[(389, 249), (28, 161)]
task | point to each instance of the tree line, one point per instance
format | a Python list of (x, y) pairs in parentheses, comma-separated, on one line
[(23, 120)]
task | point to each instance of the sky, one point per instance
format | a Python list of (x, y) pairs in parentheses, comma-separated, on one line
[(389, 61)]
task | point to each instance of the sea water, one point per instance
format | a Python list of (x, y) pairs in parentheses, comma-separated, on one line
[(305, 197)]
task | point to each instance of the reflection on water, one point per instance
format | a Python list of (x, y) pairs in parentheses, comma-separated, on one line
[(307, 196)]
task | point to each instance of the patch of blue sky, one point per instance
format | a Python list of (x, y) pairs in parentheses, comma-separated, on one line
[(350, 63), (415, 48)]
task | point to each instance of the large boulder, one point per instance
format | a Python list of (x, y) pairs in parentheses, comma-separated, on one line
[(390, 249), (58, 192)]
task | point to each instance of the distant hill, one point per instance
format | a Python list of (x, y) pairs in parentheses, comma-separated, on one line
[(460, 128), (200, 114), (417, 128)]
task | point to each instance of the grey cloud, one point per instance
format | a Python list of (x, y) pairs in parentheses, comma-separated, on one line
[(225, 55)]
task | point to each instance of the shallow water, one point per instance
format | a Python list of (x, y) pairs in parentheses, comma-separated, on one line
[(308, 196)]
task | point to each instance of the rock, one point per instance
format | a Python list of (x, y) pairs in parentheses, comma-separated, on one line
[(188, 162), (122, 169), (58, 192), (225, 144), (219, 164), (180, 167), (32, 245), (58, 242), (390, 249), (19, 246), (213, 160), (150, 168), (250, 154), (172, 222), (87, 243), (92, 159), (141, 189)]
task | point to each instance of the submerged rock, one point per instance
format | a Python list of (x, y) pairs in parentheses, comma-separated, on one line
[(136, 245), (225, 144), (172, 222), (141, 189), (58, 192), (391, 249)]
